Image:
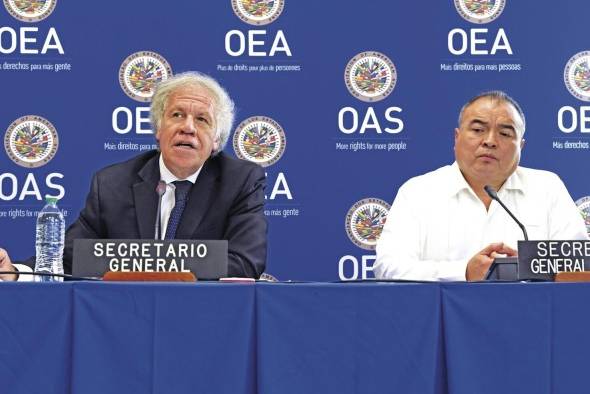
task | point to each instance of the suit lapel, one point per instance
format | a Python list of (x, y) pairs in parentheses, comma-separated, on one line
[(145, 197), (199, 200)]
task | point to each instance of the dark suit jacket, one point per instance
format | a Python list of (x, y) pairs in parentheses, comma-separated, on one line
[(226, 202)]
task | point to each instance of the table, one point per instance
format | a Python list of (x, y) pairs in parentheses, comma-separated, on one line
[(92, 337)]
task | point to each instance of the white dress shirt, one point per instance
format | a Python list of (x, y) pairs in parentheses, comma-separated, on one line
[(168, 200), (436, 222)]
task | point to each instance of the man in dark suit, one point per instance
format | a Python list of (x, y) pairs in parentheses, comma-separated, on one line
[(209, 195)]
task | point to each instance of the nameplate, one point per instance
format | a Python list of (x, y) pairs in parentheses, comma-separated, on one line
[(207, 259), (541, 260)]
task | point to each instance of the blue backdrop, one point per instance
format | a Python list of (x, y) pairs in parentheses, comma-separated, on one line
[(340, 149)]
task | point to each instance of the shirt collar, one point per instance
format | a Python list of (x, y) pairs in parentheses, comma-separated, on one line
[(514, 182), (458, 182), (167, 176)]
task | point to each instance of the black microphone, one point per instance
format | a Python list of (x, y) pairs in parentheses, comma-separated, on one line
[(494, 196), (160, 190)]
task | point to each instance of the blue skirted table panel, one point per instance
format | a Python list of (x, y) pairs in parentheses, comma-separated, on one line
[(89, 337)]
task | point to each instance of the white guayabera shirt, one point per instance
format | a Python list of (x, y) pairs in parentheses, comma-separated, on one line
[(436, 222)]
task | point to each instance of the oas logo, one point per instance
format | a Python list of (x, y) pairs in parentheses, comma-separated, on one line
[(140, 73), (258, 12), (584, 207), (259, 139), (480, 11), (31, 141), (365, 220), (577, 75), (370, 76), (30, 10)]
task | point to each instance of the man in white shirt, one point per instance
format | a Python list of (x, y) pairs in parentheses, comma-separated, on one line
[(458, 237)]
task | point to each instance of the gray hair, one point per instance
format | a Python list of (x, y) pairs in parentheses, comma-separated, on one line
[(223, 107), (496, 95)]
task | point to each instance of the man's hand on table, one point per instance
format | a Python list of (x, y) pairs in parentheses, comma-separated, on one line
[(6, 265), (480, 263)]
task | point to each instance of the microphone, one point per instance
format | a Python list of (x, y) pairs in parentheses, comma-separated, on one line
[(494, 196), (160, 190)]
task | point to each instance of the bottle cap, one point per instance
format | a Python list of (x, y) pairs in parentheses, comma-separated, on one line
[(51, 200)]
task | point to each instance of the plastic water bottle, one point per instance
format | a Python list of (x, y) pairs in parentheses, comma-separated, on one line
[(50, 242)]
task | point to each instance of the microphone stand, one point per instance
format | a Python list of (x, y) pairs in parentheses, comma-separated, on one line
[(494, 196), (160, 190)]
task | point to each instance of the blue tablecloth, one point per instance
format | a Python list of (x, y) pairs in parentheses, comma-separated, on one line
[(87, 337)]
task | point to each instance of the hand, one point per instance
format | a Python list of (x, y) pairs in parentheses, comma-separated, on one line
[(480, 263), (6, 265)]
